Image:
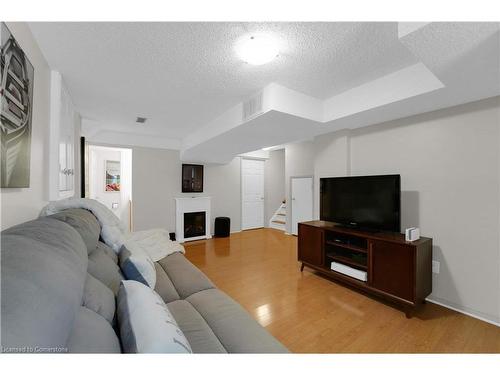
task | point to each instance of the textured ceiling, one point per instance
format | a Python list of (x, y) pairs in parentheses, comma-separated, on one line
[(458, 63), (182, 75)]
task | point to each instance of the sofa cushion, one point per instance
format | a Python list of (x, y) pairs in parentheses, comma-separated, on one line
[(199, 334), (164, 286), (236, 329), (102, 247), (99, 298), (84, 222), (105, 270), (187, 279), (43, 271), (92, 334), (136, 265), (146, 324)]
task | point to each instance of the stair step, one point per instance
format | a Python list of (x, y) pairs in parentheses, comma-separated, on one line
[(280, 214), (279, 221)]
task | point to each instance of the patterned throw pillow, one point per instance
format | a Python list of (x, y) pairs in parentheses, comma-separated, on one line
[(146, 324)]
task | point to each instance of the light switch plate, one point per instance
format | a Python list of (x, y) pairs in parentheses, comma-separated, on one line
[(435, 266), (114, 205)]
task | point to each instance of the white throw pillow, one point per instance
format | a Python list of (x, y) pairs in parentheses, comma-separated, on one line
[(137, 265), (146, 324)]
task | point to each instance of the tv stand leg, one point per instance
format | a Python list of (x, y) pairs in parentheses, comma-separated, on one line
[(302, 267), (409, 313)]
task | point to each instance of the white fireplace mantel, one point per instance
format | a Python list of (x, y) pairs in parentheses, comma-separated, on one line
[(194, 204)]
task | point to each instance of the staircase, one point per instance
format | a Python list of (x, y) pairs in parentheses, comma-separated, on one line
[(278, 220)]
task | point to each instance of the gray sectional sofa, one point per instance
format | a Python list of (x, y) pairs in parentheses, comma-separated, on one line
[(59, 283)]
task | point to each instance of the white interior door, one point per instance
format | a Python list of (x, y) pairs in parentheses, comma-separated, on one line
[(252, 193), (302, 201)]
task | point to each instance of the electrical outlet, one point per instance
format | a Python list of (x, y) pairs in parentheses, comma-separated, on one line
[(435, 266)]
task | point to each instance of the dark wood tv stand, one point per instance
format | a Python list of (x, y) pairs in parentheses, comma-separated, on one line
[(398, 271)]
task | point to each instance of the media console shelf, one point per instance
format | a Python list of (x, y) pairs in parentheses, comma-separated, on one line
[(396, 270)]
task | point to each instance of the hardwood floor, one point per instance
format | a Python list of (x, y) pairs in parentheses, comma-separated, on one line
[(311, 314)]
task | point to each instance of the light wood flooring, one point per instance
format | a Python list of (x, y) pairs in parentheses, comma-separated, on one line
[(311, 314)]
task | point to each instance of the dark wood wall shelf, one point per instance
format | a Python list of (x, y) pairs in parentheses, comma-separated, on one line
[(397, 270)]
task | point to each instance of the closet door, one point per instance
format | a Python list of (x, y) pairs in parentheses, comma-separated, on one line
[(302, 201), (252, 194)]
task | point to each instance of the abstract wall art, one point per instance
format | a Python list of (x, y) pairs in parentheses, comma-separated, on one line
[(16, 107)]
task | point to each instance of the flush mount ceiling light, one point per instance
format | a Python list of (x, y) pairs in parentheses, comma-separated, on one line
[(257, 49)]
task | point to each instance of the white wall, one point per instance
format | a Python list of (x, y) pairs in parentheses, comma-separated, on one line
[(274, 169), (19, 205), (157, 181), (223, 184), (449, 162), (449, 166), (331, 159)]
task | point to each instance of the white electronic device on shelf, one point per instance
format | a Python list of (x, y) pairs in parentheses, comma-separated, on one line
[(349, 271), (412, 234)]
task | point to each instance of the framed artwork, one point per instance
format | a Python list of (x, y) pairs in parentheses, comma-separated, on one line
[(112, 168), (16, 108), (192, 178)]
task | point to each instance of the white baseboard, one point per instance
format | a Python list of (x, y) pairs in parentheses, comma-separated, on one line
[(463, 312)]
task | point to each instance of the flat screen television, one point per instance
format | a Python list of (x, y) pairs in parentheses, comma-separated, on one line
[(365, 202)]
